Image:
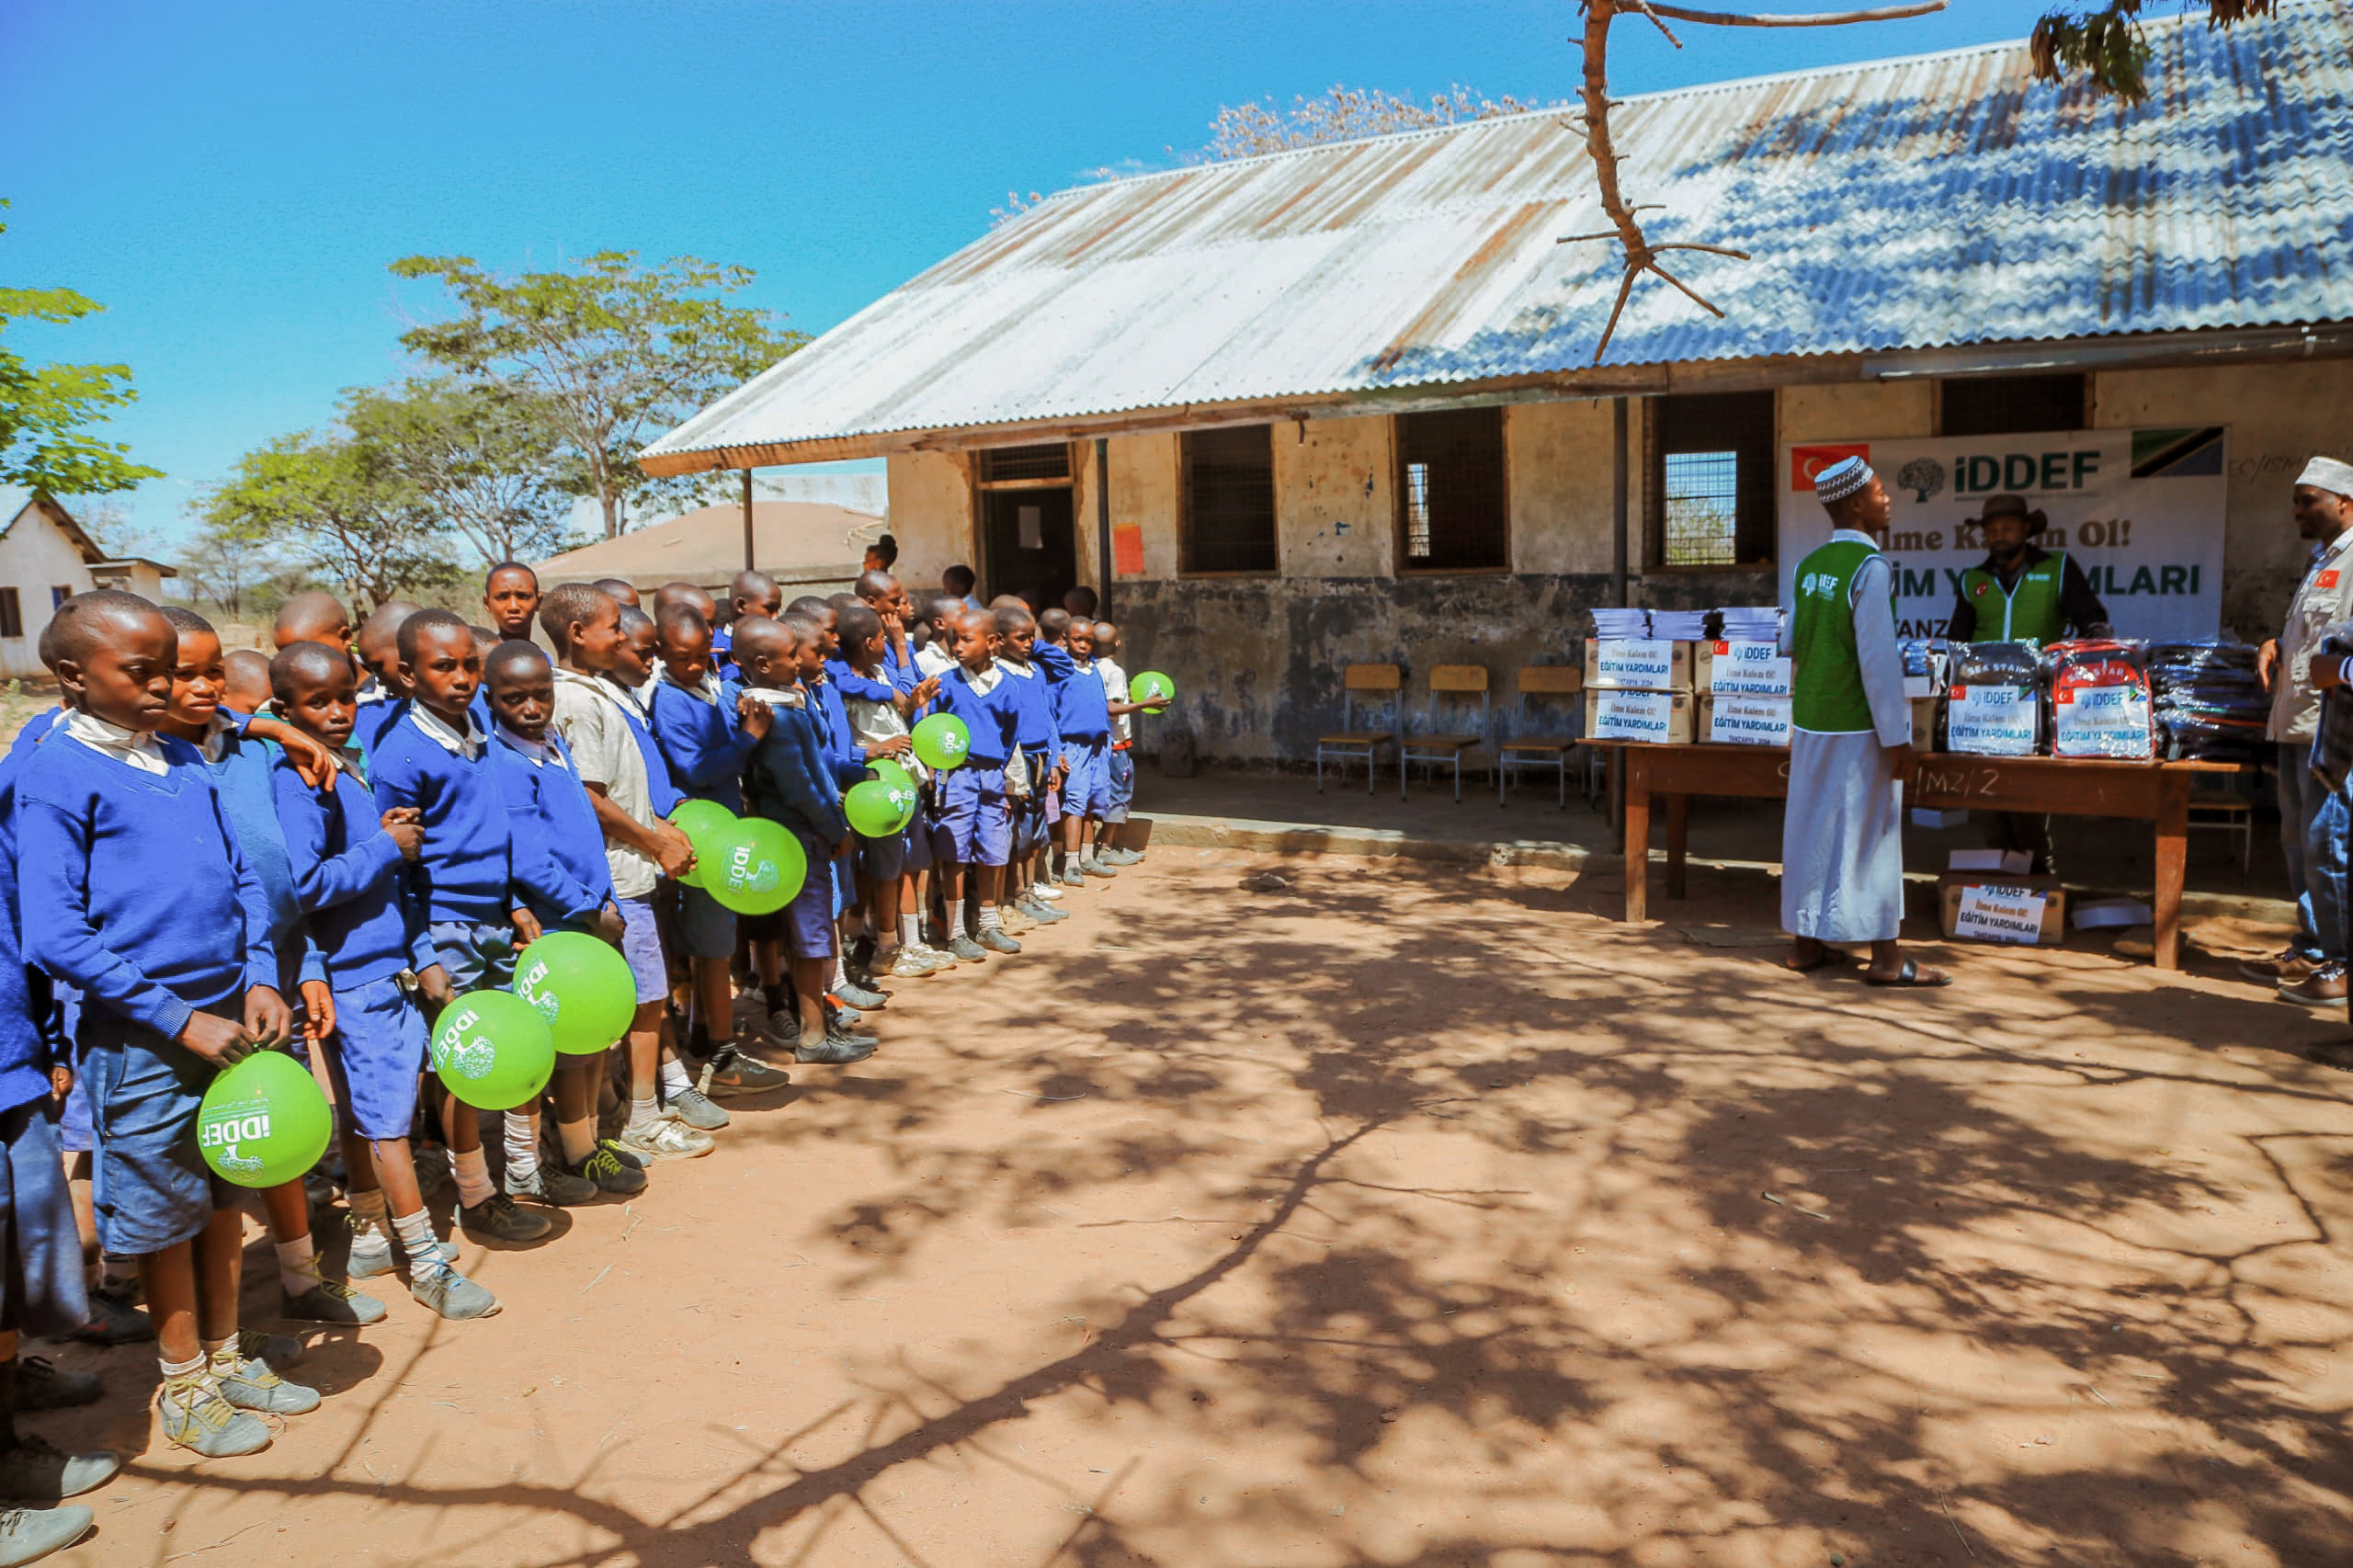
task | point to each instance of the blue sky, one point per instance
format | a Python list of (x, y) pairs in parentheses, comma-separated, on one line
[(231, 180)]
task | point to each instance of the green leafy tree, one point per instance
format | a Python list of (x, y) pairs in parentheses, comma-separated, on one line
[(489, 461), (224, 560), (620, 352), (46, 411), (342, 500), (2104, 45)]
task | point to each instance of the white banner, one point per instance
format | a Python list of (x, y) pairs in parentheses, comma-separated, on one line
[(2140, 511)]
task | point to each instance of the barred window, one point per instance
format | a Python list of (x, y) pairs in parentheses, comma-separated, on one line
[(1453, 515), (1709, 499), (1229, 479), (1046, 460)]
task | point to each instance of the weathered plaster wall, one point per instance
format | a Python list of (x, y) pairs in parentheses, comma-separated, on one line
[(1334, 498), (931, 517), (35, 557), (1557, 466)]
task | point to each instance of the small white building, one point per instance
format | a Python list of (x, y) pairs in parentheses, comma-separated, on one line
[(45, 559)]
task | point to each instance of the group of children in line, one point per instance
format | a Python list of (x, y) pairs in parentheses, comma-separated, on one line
[(210, 853)]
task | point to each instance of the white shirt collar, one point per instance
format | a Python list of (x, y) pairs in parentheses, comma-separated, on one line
[(539, 752), (2334, 548), (217, 730), (468, 745), (1015, 667), (707, 690), (140, 748), (777, 696)]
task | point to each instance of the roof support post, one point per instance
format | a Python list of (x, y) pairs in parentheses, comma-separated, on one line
[(1103, 525), (1618, 460), (749, 564)]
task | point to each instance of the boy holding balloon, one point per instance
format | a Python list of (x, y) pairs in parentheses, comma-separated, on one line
[(130, 876), (349, 862), (975, 824), (878, 709)]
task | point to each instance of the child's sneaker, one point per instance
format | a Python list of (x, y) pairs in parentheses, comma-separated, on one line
[(1072, 877), (1042, 914), (938, 957), (275, 1351), (331, 1301), (549, 1184), (196, 1416), (1121, 856), (28, 1535), (994, 939), (837, 1050), (659, 1140), (502, 1219), (694, 1109), (432, 1164), (371, 1250), (967, 950), (1095, 868), (42, 1384), (906, 964), (1014, 922), (36, 1470), (608, 1170), (731, 1071), (452, 1294), (115, 1319), (1044, 891), (251, 1385)]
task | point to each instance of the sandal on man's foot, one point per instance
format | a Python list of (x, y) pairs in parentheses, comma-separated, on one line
[(1911, 977)]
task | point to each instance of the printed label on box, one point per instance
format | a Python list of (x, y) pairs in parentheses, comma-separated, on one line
[(1647, 661), (1750, 669), (1749, 721), (1992, 721), (2101, 720), (2000, 915), (1633, 715)]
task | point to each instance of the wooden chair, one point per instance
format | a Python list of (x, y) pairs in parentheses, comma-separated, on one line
[(1437, 749), (2228, 814), (1352, 743), (1542, 751)]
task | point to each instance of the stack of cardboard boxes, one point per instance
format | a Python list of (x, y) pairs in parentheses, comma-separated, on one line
[(1638, 688), (1744, 694)]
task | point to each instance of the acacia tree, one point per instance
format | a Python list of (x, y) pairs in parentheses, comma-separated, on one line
[(46, 410), (619, 352), (486, 460), (1344, 114), (342, 498)]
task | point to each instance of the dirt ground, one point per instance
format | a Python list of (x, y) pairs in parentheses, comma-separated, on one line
[(1396, 1215)]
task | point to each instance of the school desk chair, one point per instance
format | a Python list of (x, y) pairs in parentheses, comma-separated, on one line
[(1350, 743), (1463, 681), (1540, 752)]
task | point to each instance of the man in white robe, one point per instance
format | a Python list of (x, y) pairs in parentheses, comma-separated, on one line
[(1850, 743)]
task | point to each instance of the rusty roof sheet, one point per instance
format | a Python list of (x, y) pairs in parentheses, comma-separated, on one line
[(1906, 204)]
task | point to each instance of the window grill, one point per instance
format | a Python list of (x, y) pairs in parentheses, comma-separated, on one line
[(1451, 490), (1709, 498), (1047, 460), (1229, 499), (1702, 508)]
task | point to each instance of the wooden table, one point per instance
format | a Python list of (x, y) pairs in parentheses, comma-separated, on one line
[(2155, 792)]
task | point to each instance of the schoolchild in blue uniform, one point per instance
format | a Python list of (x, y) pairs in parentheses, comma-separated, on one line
[(1084, 719), (1038, 769), (975, 830)]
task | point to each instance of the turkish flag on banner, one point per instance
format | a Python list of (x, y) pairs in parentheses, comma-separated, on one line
[(1807, 461)]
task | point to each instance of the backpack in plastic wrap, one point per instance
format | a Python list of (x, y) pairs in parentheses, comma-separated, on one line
[(1994, 706), (2208, 699), (2099, 701)]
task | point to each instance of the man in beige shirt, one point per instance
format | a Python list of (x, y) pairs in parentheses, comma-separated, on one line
[(2313, 820)]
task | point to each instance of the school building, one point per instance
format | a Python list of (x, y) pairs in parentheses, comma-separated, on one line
[(1342, 403), (46, 559)]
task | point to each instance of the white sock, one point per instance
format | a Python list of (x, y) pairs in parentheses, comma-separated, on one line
[(956, 920), (298, 1265), (990, 919), (417, 1240), (522, 1144), (642, 1113), (674, 1077), (473, 1176), (182, 1369), (910, 931), (841, 973)]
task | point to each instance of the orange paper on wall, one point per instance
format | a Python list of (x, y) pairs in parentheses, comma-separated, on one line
[(1127, 550)]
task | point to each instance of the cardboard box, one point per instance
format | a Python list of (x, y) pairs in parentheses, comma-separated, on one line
[(1745, 669), (1733, 719), (1663, 717), (1637, 664), (2032, 911)]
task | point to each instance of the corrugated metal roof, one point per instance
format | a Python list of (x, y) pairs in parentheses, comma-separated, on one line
[(1907, 204)]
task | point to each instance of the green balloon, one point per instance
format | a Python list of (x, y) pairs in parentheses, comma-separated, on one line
[(263, 1123), (1152, 687), (581, 986), (893, 772), (759, 868), (879, 810), (942, 742), (703, 821), (493, 1051)]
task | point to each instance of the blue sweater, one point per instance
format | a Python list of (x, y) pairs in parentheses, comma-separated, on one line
[(133, 889), (1082, 711), (36, 731), (843, 754), (466, 870), (244, 777), (993, 718), (660, 788), (370, 719), (351, 877), (702, 741), (26, 1051), (791, 778), (560, 863), (1033, 710)]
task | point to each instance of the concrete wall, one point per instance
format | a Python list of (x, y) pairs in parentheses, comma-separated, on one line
[(35, 556), (1258, 659)]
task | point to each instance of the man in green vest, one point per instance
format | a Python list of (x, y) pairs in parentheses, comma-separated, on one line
[(1850, 743), (2023, 593)]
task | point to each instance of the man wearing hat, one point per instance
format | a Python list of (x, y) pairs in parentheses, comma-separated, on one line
[(2023, 593), (2314, 819), (1850, 743)]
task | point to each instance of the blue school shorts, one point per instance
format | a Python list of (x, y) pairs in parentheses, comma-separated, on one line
[(74, 1134), (378, 1049), (809, 918), (705, 926), (642, 945), (1087, 791), (41, 1290), (479, 958), (883, 859), (1120, 763), (917, 841), (152, 1188), (975, 827)]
